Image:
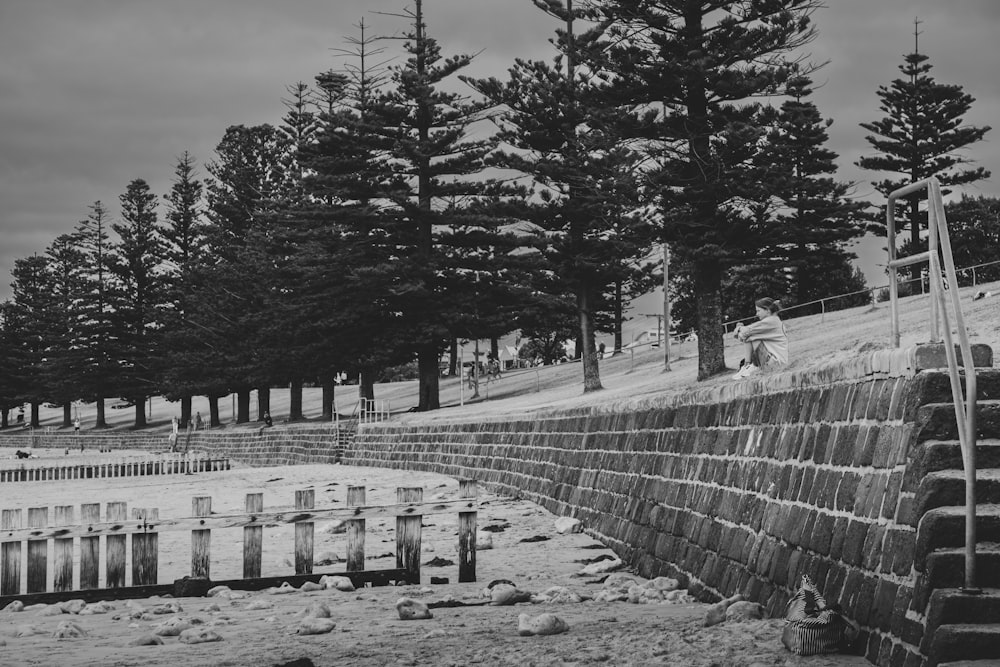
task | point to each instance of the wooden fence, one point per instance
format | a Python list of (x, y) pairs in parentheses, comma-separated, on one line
[(69, 537), (36, 470)]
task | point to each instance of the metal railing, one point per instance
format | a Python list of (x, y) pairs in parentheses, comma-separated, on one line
[(938, 242)]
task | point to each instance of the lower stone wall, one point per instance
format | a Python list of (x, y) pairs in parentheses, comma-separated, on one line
[(276, 445), (738, 489)]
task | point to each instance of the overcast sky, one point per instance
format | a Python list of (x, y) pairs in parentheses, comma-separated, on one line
[(96, 93)]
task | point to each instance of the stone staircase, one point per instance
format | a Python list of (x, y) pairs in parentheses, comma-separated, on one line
[(347, 430), (960, 628)]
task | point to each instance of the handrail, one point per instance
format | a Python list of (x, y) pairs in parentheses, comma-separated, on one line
[(965, 410)]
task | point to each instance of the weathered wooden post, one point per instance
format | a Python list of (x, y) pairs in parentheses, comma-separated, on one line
[(355, 531), (90, 547), (467, 488), (10, 555), (145, 547), (408, 534), (62, 551), (115, 547), (253, 538), (304, 531), (38, 551), (201, 540)]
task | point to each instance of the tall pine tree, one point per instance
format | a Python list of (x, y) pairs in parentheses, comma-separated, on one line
[(921, 135)]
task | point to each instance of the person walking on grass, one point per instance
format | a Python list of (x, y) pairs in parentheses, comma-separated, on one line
[(765, 342)]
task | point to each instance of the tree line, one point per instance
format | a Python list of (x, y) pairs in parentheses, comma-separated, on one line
[(397, 209)]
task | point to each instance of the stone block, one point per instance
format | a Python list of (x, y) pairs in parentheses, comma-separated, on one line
[(865, 448), (883, 605), (874, 541), (822, 533), (854, 542), (934, 355), (844, 447), (839, 537)]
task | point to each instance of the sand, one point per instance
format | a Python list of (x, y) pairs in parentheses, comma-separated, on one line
[(368, 630)]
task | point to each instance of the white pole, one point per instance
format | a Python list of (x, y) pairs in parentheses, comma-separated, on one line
[(461, 375), (666, 308)]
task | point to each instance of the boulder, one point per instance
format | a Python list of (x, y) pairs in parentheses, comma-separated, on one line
[(68, 630), (335, 581), (172, 627), (316, 610), (601, 566), (744, 611), (543, 624), (199, 636), (412, 610), (73, 606), (506, 594), (717, 612), (14, 606), (484, 540), (315, 626), (146, 640), (566, 525)]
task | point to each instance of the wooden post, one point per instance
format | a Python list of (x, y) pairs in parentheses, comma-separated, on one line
[(304, 500), (38, 551), (10, 555), (408, 534), (145, 547), (201, 540), (253, 538), (467, 533), (62, 551), (90, 547), (115, 547), (355, 531)]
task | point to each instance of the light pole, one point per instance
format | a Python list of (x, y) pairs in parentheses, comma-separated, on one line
[(338, 378), (666, 308)]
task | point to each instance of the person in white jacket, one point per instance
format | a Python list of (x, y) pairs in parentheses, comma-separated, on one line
[(765, 341)]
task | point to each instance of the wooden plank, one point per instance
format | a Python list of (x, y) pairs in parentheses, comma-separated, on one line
[(62, 551), (355, 531), (115, 546), (38, 552), (408, 532), (305, 499), (201, 540), (467, 488), (10, 555), (253, 538), (90, 548), (273, 518), (145, 546)]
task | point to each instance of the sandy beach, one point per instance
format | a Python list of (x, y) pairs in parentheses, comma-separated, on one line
[(261, 628)]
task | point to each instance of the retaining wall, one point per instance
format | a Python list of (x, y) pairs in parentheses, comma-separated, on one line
[(741, 488)]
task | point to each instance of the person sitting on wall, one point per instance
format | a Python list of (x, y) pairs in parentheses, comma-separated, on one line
[(765, 341), (267, 419)]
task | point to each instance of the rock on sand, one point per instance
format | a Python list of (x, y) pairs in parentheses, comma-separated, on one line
[(543, 624), (412, 610)]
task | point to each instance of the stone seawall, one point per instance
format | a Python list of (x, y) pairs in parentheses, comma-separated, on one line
[(277, 445), (740, 488)]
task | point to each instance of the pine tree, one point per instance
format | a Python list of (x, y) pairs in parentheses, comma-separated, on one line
[(32, 299), (14, 372), (561, 130), (139, 253), (921, 135), (809, 216), (184, 239), (694, 67), (98, 327), (59, 371)]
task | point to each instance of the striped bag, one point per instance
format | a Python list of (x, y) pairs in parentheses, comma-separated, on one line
[(811, 627)]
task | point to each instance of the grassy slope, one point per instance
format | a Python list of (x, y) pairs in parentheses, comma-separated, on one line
[(813, 339)]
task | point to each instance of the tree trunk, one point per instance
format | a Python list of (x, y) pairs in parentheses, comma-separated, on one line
[(213, 411), (295, 400), (67, 415), (453, 359), (185, 410), (140, 413), (711, 350), (427, 365), (35, 421), (619, 317), (329, 387), (263, 402), (4, 418), (585, 346), (100, 421), (495, 348), (242, 406), (366, 383)]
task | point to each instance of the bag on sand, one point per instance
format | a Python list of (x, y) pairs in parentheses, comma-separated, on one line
[(811, 627)]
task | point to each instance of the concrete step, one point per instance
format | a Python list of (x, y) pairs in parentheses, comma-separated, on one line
[(944, 528), (934, 455), (947, 487), (945, 568), (950, 606), (936, 385), (936, 421), (964, 641)]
